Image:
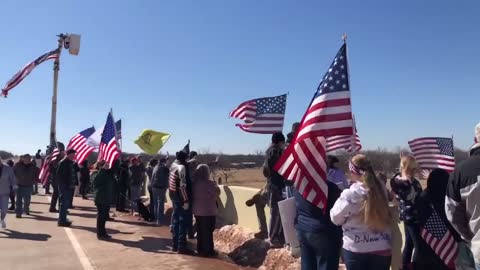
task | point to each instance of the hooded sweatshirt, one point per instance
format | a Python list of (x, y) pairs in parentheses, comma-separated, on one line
[(357, 236), (463, 199)]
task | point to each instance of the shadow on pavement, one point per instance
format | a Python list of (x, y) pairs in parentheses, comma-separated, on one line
[(135, 223), (94, 230), (25, 236), (83, 215), (147, 244), (41, 218)]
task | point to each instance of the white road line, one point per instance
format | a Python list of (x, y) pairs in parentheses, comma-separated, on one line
[(82, 257)]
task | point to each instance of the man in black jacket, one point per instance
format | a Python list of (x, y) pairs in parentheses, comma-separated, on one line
[(66, 176), (276, 184), (53, 181)]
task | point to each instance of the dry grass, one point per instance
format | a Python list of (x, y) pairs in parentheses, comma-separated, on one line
[(245, 177)]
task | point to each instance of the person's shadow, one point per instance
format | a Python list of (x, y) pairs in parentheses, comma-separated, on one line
[(24, 236), (147, 244)]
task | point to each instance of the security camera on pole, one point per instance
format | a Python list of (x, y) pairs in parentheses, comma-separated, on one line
[(70, 42)]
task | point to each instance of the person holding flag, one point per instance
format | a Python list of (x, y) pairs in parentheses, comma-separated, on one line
[(66, 177)]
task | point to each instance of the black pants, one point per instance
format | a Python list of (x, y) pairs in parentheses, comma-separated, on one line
[(276, 229), (122, 198), (12, 199), (150, 206), (84, 186), (35, 188), (103, 210), (205, 228), (413, 240), (54, 201), (47, 188)]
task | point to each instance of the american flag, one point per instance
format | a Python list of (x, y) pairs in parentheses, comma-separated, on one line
[(108, 149), (79, 144), (45, 170), (438, 237), (19, 76), (432, 153), (262, 115), (329, 114), (118, 129)]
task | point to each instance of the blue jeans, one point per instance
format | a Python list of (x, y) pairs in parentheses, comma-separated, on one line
[(320, 250), (24, 194), (179, 226), (159, 204), (65, 199), (364, 261), (3, 206)]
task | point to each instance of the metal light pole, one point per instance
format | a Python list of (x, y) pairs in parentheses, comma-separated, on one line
[(72, 43)]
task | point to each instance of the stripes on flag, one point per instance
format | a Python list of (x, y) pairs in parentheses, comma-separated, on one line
[(329, 114), (108, 149), (20, 75), (343, 142), (45, 170), (433, 153), (262, 115), (79, 144), (438, 237)]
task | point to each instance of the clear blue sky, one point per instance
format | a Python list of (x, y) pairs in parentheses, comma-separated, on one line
[(181, 66)]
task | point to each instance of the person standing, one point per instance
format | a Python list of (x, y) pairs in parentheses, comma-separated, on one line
[(84, 179), (463, 199), (12, 192), (103, 184), (407, 190), (334, 174), (8, 183), (76, 185), (53, 166), (205, 195), (160, 177), (122, 185), (66, 176), (260, 200), (192, 165), (137, 176), (26, 177), (149, 171), (178, 186), (320, 239), (276, 184), (362, 211)]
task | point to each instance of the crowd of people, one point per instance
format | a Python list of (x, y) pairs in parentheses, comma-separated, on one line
[(355, 226)]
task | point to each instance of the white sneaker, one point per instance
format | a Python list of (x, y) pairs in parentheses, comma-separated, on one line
[(4, 225)]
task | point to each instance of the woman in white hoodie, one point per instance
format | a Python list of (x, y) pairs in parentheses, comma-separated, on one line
[(362, 211)]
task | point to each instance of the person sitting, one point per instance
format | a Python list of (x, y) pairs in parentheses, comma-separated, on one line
[(205, 194)]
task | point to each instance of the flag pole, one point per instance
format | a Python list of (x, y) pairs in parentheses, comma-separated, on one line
[(56, 69), (352, 141)]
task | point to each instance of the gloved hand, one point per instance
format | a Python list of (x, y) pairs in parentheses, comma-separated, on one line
[(185, 206)]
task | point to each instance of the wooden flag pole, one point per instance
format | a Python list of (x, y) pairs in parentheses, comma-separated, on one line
[(353, 140)]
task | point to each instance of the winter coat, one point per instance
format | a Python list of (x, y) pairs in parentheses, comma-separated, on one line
[(160, 176), (273, 154), (463, 200), (66, 176), (407, 193), (205, 194), (7, 180), (357, 236), (25, 174), (103, 184)]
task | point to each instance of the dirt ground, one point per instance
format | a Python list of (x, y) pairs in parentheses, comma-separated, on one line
[(251, 177)]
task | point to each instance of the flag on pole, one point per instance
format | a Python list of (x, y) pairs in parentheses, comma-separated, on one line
[(152, 141), (433, 153), (45, 170), (19, 76), (262, 115), (329, 114), (79, 144), (343, 142), (108, 149), (438, 237), (118, 129)]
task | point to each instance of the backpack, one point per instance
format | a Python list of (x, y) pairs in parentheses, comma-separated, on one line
[(160, 177)]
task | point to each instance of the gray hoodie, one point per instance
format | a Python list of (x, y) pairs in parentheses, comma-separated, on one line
[(7, 180)]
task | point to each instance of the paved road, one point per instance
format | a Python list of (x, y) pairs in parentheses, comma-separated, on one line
[(35, 242)]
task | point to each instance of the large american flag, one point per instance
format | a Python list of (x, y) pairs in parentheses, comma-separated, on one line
[(262, 115), (108, 149), (329, 114), (433, 153), (438, 237), (45, 170), (19, 76), (79, 144)]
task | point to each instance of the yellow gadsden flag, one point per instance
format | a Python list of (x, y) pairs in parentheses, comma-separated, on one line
[(152, 141)]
